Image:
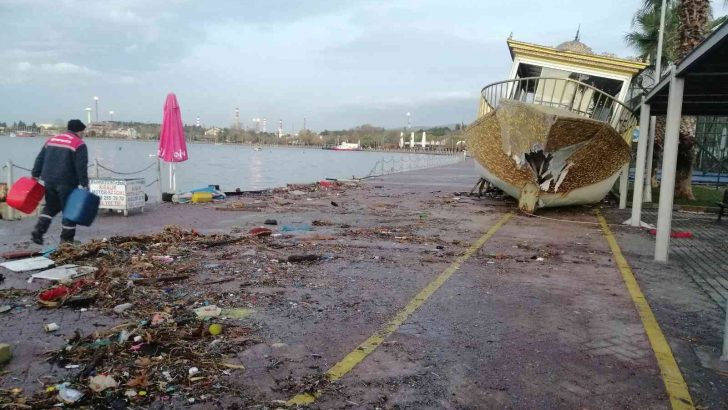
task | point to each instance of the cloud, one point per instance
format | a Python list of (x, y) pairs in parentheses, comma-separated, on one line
[(338, 63), (25, 71), (56, 68)]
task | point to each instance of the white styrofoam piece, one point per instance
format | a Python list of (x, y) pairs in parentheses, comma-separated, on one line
[(61, 273), (28, 264)]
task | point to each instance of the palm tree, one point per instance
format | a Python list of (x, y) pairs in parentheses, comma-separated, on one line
[(687, 22), (646, 25)]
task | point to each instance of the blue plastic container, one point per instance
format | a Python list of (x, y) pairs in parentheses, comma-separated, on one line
[(81, 207)]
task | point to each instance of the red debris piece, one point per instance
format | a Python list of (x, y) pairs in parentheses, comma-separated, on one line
[(61, 291), (19, 254), (675, 234), (260, 231), (328, 184)]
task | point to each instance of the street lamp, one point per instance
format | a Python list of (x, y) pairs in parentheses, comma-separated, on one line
[(96, 101), (111, 114), (409, 124)]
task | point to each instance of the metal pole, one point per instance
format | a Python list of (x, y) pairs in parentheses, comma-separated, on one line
[(650, 155), (96, 165), (724, 356), (661, 35), (640, 165), (623, 187), (653, 120), (159, 178), (669, 166), (11, 211)]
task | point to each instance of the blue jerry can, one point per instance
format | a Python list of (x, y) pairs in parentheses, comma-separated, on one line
[(81, 207)]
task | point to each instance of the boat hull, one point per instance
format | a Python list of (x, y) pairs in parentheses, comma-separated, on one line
[(546, 157)]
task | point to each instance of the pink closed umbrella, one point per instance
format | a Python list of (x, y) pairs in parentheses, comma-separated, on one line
[(172, 145)]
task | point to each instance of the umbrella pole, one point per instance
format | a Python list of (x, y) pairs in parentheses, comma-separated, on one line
[(160, 182), (170, 178), (174, 177)]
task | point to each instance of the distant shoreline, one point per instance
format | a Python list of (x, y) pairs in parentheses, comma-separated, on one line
[(288, 146)]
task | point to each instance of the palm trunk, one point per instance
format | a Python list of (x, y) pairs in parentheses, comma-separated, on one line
[(685, 159), (693, 16), (657, 151)]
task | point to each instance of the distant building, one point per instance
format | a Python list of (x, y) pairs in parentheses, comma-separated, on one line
[(213, 133), (100, 129)]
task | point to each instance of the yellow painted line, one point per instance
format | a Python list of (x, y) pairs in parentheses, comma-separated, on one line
[(675, 385), (368, 346)]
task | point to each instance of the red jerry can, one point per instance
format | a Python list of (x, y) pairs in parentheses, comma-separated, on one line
[(25, 195)]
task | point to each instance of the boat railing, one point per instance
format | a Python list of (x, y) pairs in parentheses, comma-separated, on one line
[(564, 93)]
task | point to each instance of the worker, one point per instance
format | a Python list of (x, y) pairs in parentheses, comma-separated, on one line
[(62, 164)]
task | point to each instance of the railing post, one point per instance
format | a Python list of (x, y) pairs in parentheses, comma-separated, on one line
[(639, 173), (96, 167), (11, 211)]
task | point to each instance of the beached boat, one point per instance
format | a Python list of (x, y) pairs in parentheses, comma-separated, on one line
[(556, 134)]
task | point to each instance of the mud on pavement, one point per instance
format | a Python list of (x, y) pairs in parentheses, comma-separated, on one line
[(536, 318)]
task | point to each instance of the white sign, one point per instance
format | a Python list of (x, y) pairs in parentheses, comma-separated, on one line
[(122, 194)]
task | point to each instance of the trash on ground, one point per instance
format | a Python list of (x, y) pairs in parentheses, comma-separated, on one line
[(295, 228), (260, 231), (19, 254), (25, 265), (163, 258), (6, 352), (63, 273), (122, 307), (208, 311), (62, 294), (51, 327), (271, 222), (102, 382), (303, 258), (215, 329), (68, 395), (236, 313), (675, 234)]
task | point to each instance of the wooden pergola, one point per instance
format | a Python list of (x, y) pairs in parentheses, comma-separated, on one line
[(697, 85)]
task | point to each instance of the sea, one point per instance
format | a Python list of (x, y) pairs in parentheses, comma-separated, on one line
[(230, 166)]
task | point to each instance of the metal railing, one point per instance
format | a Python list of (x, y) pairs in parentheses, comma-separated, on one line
[(563, 93), (386, 166), (9, 167)]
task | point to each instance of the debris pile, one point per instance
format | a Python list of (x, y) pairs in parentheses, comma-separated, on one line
[(178, 338)]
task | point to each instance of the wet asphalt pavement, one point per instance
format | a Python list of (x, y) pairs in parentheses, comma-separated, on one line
[(538, 317)]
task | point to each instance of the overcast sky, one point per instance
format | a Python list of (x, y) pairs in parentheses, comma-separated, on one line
[(339, 63)]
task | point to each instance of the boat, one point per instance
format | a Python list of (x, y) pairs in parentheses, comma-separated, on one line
[(24, 134), (345, 146), (258, 149), (556, 133)]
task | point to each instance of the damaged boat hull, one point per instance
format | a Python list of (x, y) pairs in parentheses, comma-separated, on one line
[(545, 156)]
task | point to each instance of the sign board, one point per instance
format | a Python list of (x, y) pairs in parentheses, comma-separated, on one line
[(120, 194)]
